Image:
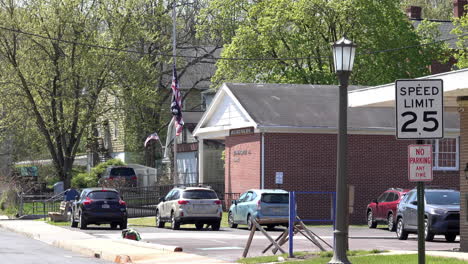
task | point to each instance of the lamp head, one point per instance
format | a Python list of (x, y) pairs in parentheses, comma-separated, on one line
[(344, 51)]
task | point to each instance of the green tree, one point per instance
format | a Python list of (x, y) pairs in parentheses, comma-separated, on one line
[(145, 79), (461, 30), (432, 9), (54, 78), (295, 37)]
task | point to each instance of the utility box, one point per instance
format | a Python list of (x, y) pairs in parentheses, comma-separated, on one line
[(58, 187)]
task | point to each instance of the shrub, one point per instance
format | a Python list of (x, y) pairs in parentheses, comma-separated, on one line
[(84, 180), (8, 202)]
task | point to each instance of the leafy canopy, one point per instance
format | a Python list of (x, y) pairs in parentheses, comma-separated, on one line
[(304, 29)]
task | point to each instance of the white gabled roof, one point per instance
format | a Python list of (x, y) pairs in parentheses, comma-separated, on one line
[(224, 113), (455, 84)]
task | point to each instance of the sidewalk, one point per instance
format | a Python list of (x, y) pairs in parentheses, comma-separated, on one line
[(116, 250), (129, 251)]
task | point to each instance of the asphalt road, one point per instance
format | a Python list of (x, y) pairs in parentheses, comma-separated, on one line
[(228, 244), (18, 249)]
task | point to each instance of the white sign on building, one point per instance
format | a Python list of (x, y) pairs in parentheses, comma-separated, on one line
[(419, 109), (419, 163), (279, 177)]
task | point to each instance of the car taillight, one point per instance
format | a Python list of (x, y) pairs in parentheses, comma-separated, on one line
[(122, 202), (182, 202), (259, 205), (134, 178), (111, 178), (88, 201), (217, 202)]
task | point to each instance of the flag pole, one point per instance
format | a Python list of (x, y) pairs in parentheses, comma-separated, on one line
[(174, 53)]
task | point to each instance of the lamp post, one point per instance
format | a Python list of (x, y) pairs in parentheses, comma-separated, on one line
[(344, 51)]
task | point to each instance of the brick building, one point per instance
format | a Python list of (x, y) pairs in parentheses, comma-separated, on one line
[(455, 101), (291, 130)]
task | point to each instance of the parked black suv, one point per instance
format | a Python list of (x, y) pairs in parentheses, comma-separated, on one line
[(441, 217), (99, 206), (121, 172)]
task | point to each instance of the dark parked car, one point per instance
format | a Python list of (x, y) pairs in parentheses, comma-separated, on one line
[(121, 172), (384, 208), (441, 216), (99, 206)]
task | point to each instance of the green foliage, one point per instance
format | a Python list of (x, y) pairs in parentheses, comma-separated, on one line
[(84, 180), (8, 202), (431, 9), (52, 81), (304, 29), (461, 30)]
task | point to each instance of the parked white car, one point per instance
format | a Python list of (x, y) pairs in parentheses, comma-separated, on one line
[(190, 205)]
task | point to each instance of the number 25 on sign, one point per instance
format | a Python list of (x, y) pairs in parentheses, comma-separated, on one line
[(419, 109)]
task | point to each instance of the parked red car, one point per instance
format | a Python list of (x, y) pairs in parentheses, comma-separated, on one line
[(384, 208)]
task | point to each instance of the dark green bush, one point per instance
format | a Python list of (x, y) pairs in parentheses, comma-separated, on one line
[(84, 179)]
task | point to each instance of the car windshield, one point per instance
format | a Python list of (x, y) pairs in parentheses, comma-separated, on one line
[(200, 194), (443, 198), (275, 198), (122, 172), (104, 195)]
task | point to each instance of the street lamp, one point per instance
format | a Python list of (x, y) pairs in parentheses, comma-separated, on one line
[(344, 51)]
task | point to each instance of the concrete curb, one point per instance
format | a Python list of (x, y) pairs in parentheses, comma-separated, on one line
[(24, 233), (149, 245), (77, 248)]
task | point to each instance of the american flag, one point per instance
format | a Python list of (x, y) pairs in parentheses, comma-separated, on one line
[(176, 104), (153, 136)]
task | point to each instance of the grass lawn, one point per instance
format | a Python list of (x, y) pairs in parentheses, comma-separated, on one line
[(356, 257)]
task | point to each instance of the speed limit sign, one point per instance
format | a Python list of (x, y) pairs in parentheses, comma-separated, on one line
[(419, 109)]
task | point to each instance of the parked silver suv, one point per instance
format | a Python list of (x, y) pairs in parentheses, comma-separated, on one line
[(190, 205)]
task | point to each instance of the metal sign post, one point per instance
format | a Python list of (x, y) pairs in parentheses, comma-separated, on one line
[(419, 115)]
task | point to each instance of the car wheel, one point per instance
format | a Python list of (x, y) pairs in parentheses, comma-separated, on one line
[(231, 221), (73, 223), (174, 223), (216, 226), (159, 222), (83, 224), (428, 235), (450, 237), (113, 225), (370, 220), (123, 224), (401, 233), (391, 225), (199, 226)]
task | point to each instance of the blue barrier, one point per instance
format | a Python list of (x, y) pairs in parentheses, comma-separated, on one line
[(293, 215)]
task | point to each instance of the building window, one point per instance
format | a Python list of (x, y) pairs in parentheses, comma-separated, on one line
[(445, 153)]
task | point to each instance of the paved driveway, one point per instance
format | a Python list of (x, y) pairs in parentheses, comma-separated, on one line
[(228, 244)]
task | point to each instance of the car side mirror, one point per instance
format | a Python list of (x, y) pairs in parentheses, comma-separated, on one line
[(234, 202), (374, 200), (414, 202), (162, 199)]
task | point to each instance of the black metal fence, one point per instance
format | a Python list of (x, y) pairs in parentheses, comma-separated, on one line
[(141, 201)]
